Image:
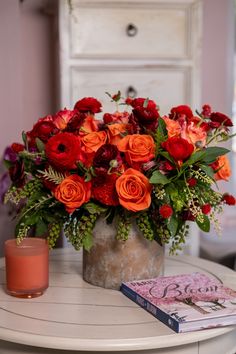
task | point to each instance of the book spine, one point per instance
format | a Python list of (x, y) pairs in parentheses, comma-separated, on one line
[(147, 305)]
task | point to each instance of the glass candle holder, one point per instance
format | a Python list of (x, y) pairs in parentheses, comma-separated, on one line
[(26, 267)]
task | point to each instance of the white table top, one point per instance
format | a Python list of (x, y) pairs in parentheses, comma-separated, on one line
[(75, 315)]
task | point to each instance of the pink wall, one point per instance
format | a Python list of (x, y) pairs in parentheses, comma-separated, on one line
[(27, 74), (217, 54)]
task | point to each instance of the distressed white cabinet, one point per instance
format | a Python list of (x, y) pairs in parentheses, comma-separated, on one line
[(143, 48)]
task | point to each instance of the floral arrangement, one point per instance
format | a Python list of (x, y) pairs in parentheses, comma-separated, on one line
[(130, 166)]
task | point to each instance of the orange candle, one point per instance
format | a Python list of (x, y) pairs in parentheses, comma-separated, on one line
[(26, 267)]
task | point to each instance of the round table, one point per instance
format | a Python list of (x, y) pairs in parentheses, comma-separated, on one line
[(74, 316)]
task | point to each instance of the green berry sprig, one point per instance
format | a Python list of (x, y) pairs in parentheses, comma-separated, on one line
[(145, 226)]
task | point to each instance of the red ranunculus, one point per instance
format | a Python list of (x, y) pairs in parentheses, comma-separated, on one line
[(43, 130), (63, 151), (180, 149), (166, 211), (88, 104), (182, 110), (75, 123), (218, 119)]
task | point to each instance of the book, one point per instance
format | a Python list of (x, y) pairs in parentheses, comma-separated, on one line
[(185, 302)]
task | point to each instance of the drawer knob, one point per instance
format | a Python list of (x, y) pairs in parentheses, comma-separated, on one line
[(131, 92), (131, 30)]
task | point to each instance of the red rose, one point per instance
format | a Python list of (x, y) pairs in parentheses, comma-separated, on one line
[(206, 208), (166, 211), (43, 130), (218, 119), (229, 199), (63, 151), (88, 104), (178, 111), (180, 149)]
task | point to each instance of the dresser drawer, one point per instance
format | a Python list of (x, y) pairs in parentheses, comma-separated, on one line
[(130, 30), (168, 86)]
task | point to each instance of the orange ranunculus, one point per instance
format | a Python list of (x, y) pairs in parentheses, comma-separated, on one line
[(138, 149), (173, 127), (115, 132), (73, 191), (89, 125), (134, 190), (93, 141), (224, 172)]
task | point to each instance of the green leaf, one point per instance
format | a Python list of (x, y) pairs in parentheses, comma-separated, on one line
[(87, 241), (208, 170), (41, 228), (94, 208), (32, 219), (162, 127), (145, 103), (172, 225), (197, 156), (158, 178), (205, 225), (167, 156), (7, 164), (213, 152), (24, 138), (40, 145)]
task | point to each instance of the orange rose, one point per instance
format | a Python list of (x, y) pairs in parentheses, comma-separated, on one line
[(172, 126), (223, 165), (93, 141), (138, 149), (116, 132), (134, 190), (73, 191)]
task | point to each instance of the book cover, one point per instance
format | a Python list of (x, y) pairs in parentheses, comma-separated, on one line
[(185, 302)]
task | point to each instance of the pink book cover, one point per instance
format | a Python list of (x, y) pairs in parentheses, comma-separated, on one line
[(193, 301)]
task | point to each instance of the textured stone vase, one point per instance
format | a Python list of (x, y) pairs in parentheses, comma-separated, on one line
[(109, 262)]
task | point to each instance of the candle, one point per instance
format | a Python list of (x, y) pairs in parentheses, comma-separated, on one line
[(26, 267)]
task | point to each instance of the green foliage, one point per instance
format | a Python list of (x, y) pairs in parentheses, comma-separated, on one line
[(211, 153), (158, 178), (52, 175)]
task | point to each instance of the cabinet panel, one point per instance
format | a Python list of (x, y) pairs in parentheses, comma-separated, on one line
[(168, 86), (126, 30)]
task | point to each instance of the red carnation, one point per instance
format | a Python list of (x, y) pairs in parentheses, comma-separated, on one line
[(139, 102), (218, 119), (63, 151), (88, 104), (229, 199), (180, 149), (206, 208), (104, 189), (182, 110), (192, 182), (147, 117), (166, 211), (206, 110)]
